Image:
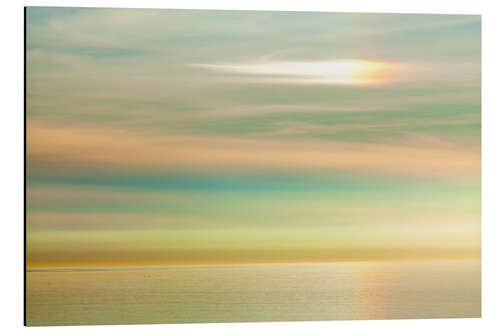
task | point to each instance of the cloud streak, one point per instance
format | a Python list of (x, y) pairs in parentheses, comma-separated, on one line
[(342, 72), (350, 72), (93, 146)]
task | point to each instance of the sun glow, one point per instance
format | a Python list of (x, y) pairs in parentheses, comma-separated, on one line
[(355, 72)]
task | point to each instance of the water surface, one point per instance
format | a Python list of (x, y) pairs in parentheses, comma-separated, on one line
[(263, 292)]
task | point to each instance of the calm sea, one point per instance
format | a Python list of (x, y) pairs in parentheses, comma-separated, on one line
[(267, 292)]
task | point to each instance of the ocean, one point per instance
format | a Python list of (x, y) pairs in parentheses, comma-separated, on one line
[(254, 292)]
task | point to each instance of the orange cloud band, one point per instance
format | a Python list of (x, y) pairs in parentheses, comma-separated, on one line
[(86, 146)]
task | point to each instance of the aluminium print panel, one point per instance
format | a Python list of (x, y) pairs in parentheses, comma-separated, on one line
[(196, 166)]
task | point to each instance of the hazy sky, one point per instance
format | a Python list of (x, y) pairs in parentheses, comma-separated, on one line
[(188, 137)]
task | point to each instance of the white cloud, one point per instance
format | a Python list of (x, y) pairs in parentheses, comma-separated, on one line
[(350, 72)]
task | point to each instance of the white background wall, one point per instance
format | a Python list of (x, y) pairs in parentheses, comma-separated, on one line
[(11, 164)]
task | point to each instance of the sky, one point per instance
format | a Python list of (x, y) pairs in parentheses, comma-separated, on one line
[(173, 137)]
